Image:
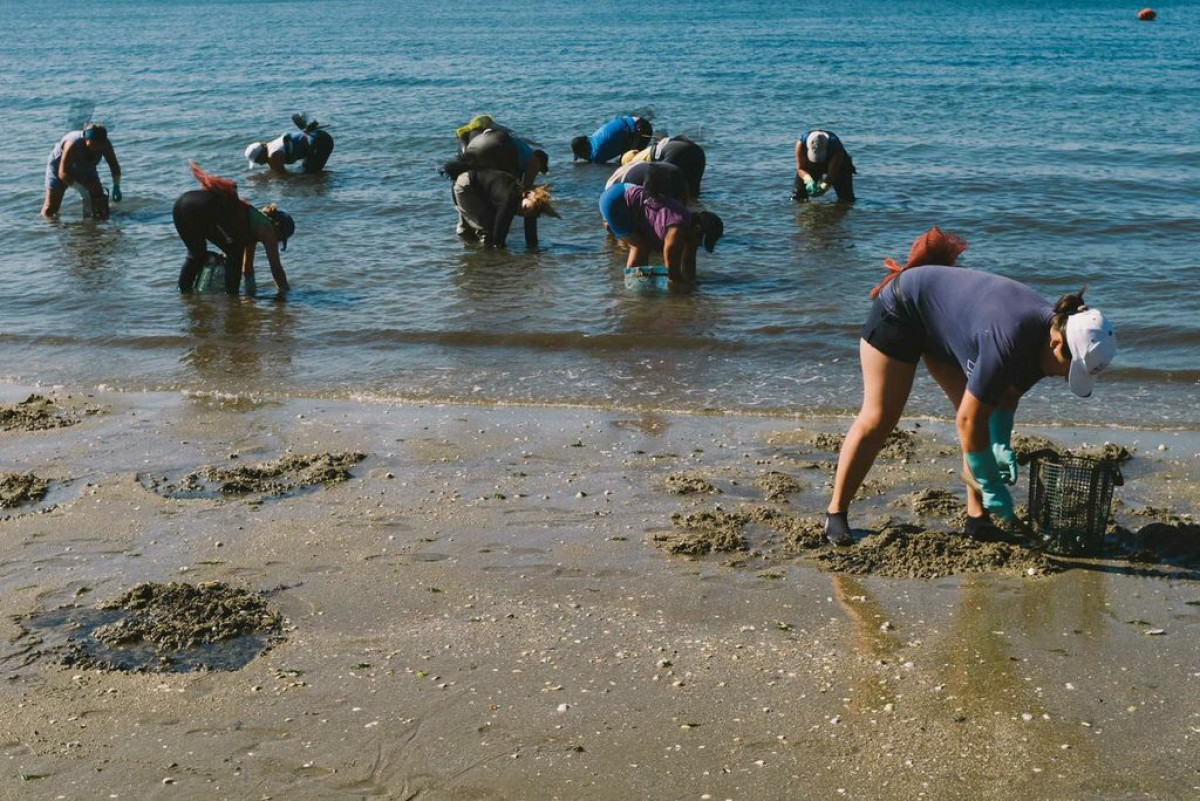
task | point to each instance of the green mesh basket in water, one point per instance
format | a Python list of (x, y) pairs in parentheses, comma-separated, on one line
[(1069, 500)]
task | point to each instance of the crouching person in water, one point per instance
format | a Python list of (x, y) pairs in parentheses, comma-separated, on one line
[(487, 200), (612, 139), (822, 162), (649, 221), (214, 213), (73, 162), (986, 340), (310, 145)]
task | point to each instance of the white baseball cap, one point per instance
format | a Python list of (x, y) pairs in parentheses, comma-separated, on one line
[(818, 145), (1093, 344), (254, 151)]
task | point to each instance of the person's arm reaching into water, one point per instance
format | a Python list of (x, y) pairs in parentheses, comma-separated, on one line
[(271, 246), (810, 185), (110, 155)]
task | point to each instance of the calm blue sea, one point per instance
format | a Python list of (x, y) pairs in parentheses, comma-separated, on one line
[(1062, 140)]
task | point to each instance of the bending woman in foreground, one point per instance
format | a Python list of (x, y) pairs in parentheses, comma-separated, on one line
[(986, 340), (216, 214)]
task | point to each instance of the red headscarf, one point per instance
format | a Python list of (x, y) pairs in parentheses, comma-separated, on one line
[(215, 182), (931, 247)]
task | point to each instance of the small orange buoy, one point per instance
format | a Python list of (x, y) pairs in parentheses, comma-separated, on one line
[(1147, 14)]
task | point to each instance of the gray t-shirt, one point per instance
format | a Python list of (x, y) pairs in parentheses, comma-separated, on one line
[(993, 327)]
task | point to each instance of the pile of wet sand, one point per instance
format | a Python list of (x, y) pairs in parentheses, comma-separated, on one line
[(177, 616), (705, 532), (1174, 542), (285, 475), (156, 628), (1025, 445), (900, 444), (777, 486), (911, 552), (934, 503), (35, 413), (21, 488), (689, 484)]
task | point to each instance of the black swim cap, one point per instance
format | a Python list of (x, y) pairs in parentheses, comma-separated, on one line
[(581, 148)]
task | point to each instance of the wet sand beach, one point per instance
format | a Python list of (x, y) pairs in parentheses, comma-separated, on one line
[(491, 603)]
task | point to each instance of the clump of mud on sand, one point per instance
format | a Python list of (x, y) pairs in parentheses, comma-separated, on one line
[(35, 413), (290, 473), (176, 616), (912, 552), (689, 484), (1108, 452), (1025, 445), (777, 486), (934, 503), (20, 488), (899, 444), (704, 532), (796, 533), (1176, 542)]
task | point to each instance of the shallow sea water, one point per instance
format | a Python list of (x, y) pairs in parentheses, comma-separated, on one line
[(1063, 143)]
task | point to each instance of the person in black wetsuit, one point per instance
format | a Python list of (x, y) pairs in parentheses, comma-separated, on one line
[(215, 213)]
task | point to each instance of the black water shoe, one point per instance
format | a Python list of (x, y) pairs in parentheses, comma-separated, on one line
[(982, 529), (837, 530)]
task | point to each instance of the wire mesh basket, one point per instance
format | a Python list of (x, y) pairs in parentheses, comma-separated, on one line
[(1069, 500)]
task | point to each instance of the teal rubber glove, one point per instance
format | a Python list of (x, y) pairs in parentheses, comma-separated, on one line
[(986, 473), (810, 187), (116, 193), (1000, 426), (822, 188)]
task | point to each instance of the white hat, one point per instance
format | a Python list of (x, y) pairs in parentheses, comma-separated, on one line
[(1093, 344), (254, 151), (818, 146)]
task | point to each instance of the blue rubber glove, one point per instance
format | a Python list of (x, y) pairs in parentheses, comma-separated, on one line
[(810, 187), (116, 193), (996, 499), (1000, 426), (822, 188)]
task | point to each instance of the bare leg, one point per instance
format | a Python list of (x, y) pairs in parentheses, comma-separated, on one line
[(953, 382), (53, 202), (886, 384)]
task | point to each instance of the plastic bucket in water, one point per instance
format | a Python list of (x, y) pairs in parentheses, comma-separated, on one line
[(1069, 500), (212, 275)]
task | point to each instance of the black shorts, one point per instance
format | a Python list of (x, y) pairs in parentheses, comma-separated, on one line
[(894, 333)]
